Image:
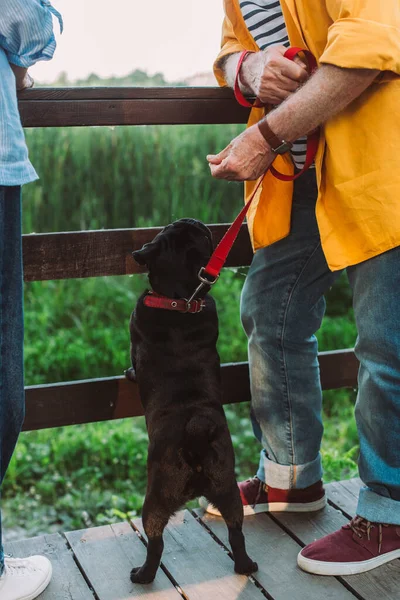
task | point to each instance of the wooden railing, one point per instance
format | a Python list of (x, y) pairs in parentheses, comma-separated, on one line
[(108, 252)]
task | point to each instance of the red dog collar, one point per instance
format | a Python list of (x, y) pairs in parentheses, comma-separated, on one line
[(154, 300)]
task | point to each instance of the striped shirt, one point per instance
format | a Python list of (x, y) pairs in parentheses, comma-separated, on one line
[(264, 19), (26, 36)]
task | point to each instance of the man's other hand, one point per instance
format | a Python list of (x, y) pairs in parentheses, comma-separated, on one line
[(247, 157), (272, 77), (23, 80)]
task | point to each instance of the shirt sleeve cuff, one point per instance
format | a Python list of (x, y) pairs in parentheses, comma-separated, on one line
[(363, 44), (230, 48), (28, 59)]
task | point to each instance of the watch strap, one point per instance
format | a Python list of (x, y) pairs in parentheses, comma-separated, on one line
[(278, 146)]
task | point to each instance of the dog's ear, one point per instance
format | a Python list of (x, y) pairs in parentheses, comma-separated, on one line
[(143, 255)]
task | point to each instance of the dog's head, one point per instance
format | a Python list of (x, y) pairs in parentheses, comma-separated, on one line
[(175, 257)]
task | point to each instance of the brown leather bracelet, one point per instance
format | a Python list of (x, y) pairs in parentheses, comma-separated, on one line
[(278, 146)]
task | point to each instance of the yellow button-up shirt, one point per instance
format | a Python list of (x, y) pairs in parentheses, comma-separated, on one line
[(358, 160)]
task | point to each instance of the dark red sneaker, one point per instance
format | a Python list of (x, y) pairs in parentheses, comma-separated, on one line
[(257, 497), (357, 547)]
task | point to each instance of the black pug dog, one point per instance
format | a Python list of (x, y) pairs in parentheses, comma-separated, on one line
[(176, 364)]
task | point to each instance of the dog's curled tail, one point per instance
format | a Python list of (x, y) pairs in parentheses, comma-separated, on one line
[(200, 432)]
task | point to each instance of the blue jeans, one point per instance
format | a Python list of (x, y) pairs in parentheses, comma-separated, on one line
[(282, 307), (12, 404)]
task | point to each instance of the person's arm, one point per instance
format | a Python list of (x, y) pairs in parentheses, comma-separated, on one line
[(329, 91), (362, 41), (324, 96), (26, 35)]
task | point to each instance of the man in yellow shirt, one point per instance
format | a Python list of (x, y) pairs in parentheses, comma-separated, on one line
[(344, 213)]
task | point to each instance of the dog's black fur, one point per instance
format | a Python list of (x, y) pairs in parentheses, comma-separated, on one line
[(176, 364)]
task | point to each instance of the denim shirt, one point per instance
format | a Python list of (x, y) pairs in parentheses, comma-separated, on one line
[(26, 36)]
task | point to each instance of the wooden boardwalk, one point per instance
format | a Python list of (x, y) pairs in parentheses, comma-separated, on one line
[(95, 563)]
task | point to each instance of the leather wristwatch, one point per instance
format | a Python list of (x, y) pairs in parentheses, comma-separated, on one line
[(278, 146)]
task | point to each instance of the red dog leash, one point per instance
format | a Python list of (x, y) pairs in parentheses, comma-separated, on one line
[(209, 274)]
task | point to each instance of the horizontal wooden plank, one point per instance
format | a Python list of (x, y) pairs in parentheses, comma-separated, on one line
[(339, 369), (94, 400), (80, 254), (126, 93), (67, 582), (129, 106), (106, 399)]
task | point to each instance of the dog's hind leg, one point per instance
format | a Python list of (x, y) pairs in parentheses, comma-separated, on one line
[(155, 519), (231, 508)]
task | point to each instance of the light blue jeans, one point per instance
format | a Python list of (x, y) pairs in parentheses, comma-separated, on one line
[(282, 307), (12, 402)]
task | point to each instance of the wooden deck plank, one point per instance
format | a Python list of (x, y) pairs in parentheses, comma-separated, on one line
[(341, 497), (276, 554), (198, 563), (353, 485), (382, 582), (107, 555), (67, 582)]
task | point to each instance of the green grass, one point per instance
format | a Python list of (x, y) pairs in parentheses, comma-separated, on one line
[(97, 177)]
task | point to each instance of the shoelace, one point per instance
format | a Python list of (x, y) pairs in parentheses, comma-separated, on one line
[(362, 527), (17, 566)]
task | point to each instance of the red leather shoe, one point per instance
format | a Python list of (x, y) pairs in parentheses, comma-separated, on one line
[(257, 497), (357, 547)]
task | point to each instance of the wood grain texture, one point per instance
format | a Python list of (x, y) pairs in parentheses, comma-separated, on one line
[(67, 582), (94, 400), (107, 555), (78, 254), (276, 554), (201, 567), (126, 93), (129, 106), (343, 498), (88, 401)]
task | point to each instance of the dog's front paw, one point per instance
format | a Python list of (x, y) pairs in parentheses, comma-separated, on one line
[(246, 567), (130, 374), (141, 575)]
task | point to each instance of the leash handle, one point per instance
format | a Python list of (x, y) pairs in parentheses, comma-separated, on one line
[(210, 273), (291, 54), (236, 88)]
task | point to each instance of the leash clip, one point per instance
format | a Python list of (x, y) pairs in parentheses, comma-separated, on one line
[(204, 282), (198, 305)]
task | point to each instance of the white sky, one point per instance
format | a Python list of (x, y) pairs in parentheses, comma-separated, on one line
[(113, 37)]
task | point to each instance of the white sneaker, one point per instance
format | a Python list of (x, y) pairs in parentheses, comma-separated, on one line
[(25, 578)]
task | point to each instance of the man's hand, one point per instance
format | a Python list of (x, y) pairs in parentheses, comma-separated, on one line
[(247, 157), (23, 80), (268, 74)]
